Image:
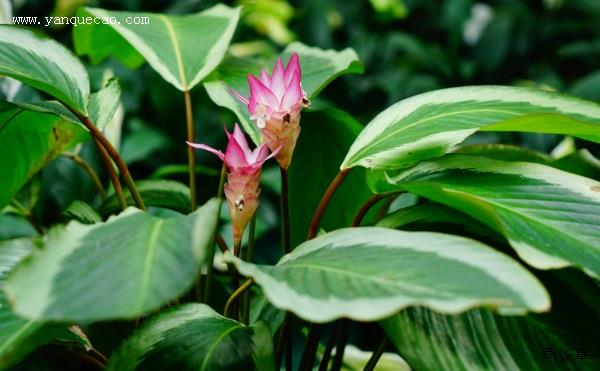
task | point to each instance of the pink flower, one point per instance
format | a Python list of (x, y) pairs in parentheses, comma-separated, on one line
[(275, 103), (243, 179)]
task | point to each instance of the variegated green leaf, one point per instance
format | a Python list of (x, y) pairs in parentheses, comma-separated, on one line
[(44, 64), (195, 337), (369, 273), (549, 216), (429, 124), (123, 268), (18, 336), (182, 49)]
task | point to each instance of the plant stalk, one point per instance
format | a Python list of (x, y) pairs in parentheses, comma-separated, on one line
[(370, 366), (310, 348), (240, 290), (211, 253), (89, 170), (191, 155), (335, 183), (113, 153), (285, 211), (367, 206), (284, 343), (340, 346), (249, 256)]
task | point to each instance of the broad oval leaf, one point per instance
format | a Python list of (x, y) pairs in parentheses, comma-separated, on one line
[(28, 141), (182, 49), (195, 337), (549, 216), (369, 273), (18, 336), (319, 68), (429, 124), (482, 340), (123, 268), (44, 64)]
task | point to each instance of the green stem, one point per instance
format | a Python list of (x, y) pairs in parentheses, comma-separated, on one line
[(285, 212), (113, 153), (370, 366), (249, 256), (335, 183), (310, 348), (211, 252), (191, 155), (240, 290), (89, 170)]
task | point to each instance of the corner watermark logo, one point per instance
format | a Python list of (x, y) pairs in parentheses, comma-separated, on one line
[(76, 21)]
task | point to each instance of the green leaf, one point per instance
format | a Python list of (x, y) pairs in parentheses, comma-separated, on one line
[(18, 336), (28, 141), (326, 137), (432, 213), (104, 104), (548, 215), (98, 42), (182, 49), (195, 337), (319, 68), (15, 227), (82, 212), (121, 269), (44, 64), (369, 273), (482, 340), (156, 192), (428, 125)]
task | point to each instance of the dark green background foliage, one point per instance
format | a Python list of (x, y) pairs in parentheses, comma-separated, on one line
[(407, 47)]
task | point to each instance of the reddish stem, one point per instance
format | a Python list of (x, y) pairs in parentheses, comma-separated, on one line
[(335, 183)]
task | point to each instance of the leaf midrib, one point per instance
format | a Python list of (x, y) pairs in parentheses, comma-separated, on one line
[(152, 246), (418, 122), (519, 213), (216, 343), (364, 277), (178, 57)]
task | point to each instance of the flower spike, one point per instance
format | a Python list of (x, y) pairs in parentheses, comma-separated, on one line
[(243, 177), (275, 104)]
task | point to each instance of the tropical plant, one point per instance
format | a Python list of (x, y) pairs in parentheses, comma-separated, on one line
[(402, 235)]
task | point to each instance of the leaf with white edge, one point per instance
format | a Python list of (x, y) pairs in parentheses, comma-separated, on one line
[(28, 141), (18, 336), (183, 49), (482, 340), (369, 273), (155, 192), (120, 269), (105, 103), (195, 337), (319, 68), (45, 64), (549, 216), (430, 124)]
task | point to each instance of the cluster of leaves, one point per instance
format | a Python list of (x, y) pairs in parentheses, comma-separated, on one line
[(461, 252)]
